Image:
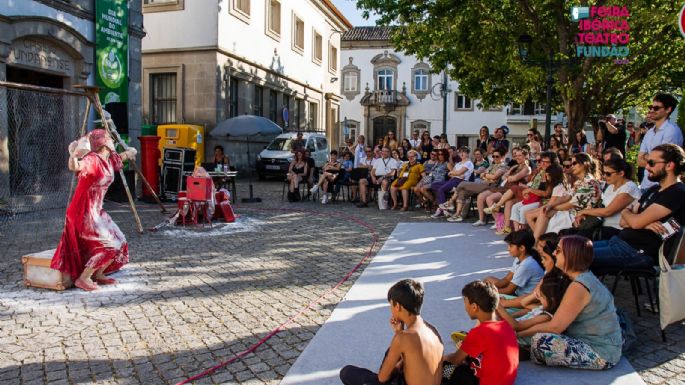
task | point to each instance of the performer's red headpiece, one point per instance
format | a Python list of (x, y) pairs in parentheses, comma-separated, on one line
[(97, 139)]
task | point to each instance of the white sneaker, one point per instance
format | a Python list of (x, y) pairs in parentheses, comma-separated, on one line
[(446, 206), (438, 213), (493, 227), (479, 223), (324, 199), (314, 189), (455, 218)]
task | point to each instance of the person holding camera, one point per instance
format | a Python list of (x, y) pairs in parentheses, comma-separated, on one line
[(614, 133)]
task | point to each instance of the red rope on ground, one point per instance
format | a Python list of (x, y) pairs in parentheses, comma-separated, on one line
[(374, 237)]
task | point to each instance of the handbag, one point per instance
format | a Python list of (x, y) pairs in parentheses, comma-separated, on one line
[(671, 287), (591, 223)]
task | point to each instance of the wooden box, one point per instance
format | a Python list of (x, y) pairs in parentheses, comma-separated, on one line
[(37, 272)]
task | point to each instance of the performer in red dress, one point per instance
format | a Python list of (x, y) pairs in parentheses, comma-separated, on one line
[(92, 243)]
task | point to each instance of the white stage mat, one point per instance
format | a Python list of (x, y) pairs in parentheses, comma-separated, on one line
[(444, 257)]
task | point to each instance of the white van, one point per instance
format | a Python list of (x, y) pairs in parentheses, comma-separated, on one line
[(275, 159)]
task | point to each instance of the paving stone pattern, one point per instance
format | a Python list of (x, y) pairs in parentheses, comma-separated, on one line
[(191, 299)]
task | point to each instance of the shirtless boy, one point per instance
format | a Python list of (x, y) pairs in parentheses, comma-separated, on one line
[(415, 353)]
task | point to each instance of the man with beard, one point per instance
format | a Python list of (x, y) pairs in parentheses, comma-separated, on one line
[(663, 131), (647, 224)]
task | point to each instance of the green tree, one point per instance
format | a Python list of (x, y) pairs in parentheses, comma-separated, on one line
[(477, 42)]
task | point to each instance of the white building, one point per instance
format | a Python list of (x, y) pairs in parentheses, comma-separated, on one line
[(387, 90), (207, 60)]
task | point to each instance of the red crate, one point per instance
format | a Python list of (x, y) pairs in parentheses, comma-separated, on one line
[(199, 189)]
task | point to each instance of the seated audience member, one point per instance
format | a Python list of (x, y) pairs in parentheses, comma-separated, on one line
[(619, 193), (526, 272), (488, 179), (554, 176), (460, 172), (500, 140), (397, 155), (331, 172), (312, 171), (361, 171), (382, 171), (563, 155), (480, 164), (586, 193), (529, 194), (437, 174), (550, 293), (415, 353), (408, 176), (347, 166), (426, 177), (545, 247), (638, 243), (297, 171), (579, 143), (584, 332), (611, 152), (516, 174), (489, 353)]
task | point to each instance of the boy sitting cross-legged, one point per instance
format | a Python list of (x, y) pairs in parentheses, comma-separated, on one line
[(489, 354), (415, 353)]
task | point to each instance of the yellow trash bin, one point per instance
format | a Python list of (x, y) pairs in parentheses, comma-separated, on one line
[(182, 136)]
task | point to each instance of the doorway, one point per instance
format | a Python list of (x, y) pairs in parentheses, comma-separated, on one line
[(36, 130), (381, 126)]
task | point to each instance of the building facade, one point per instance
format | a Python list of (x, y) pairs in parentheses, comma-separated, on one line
[(52, 43), (204, 63), (387, 90)]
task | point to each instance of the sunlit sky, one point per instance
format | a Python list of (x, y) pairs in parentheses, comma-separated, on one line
[(354, 15)]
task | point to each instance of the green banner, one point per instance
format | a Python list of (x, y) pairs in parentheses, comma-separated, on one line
[(111, 50)]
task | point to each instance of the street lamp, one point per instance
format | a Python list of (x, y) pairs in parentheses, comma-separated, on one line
[(549, 65)]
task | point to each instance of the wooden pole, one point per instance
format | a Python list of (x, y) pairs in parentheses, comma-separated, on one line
[(92, 94)]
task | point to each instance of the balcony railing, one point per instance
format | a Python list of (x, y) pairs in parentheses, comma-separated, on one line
[(387, 97)]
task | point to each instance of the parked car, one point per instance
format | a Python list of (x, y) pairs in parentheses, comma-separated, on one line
[(275, 159)]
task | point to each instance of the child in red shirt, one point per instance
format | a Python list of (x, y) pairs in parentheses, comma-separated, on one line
[(489, 354)]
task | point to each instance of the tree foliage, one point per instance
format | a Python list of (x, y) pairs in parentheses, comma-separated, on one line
[(477, 42)]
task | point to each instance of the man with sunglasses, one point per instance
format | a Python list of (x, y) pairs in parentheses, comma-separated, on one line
[(664, 131), (648, 223)]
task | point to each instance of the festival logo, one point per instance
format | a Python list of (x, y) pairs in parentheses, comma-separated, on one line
[(604, 31)]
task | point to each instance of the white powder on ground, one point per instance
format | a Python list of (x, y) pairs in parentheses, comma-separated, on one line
[(241, 225)]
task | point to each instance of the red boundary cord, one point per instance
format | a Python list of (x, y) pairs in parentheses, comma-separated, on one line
[(251, 349)]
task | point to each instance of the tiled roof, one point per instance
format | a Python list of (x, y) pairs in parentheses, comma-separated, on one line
[(367, 34)]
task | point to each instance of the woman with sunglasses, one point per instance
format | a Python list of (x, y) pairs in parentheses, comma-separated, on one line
[(620, 193), (587, 193)]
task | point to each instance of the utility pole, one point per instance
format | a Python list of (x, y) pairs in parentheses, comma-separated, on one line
[(443, 92)]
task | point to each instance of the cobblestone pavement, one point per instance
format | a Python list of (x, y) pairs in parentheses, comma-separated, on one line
[(191, 298)]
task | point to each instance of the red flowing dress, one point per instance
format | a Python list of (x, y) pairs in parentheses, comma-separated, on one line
[(90, 237)]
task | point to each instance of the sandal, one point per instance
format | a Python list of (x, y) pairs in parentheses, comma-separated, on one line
[(504, 231)]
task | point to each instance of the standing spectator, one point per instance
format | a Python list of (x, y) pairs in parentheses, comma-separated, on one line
[(297, 144), (406, 146), (426, 146), (664, 131), (534, 140), (560, 135), (442, 142), (415, 142), (554, 144), (484, 139), (359, 150), (632, 134), (614, 134), (500, 139)]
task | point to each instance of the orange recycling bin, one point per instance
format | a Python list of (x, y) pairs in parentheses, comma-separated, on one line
[(149, 148)]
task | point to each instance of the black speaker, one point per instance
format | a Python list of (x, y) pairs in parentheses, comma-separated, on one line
[(116, 191), (177, 162), (119, 112)]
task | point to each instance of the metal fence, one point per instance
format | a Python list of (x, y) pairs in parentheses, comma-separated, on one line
[(36, 126)]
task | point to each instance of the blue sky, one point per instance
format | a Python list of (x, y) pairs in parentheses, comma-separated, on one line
[(349, 9)]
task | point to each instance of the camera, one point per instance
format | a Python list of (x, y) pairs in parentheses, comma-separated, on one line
[(602, 124)]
